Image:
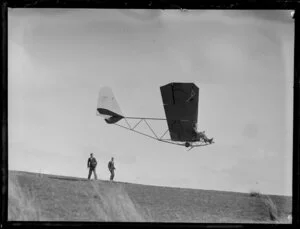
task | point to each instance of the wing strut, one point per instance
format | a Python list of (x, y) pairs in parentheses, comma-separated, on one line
[(155, 136)]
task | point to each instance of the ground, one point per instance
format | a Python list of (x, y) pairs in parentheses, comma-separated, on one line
[(41, 197)]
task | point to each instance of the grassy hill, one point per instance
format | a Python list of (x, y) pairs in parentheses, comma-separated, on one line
[(40, 197)]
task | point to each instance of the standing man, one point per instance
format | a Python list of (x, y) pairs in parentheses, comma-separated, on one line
[(111, 167), (92, 163)]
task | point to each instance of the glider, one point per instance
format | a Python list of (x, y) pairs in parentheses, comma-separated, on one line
[(180, 102)]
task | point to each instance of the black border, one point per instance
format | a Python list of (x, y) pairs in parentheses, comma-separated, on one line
[(155, 4), (144, 4)]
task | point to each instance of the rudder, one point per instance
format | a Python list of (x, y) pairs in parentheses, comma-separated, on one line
[(108, 107)]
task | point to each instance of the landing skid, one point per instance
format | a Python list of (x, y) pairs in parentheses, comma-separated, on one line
[(191, 145)]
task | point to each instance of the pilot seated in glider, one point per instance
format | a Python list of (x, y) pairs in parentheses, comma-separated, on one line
[(202, 135)]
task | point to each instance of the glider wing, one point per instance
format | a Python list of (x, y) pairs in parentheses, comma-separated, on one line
[(180, 102)]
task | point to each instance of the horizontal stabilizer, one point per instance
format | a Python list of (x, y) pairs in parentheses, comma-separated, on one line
[(108, 107)]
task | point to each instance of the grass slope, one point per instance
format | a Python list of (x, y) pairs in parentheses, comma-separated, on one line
[(40, 197)]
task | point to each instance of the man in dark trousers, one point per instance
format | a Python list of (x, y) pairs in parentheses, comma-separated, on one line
[(111, 167), (92, 163)]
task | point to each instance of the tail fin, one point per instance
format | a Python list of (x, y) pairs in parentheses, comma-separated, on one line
[(108, 107)]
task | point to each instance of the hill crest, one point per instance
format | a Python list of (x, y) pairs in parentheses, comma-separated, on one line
[(45, 197)]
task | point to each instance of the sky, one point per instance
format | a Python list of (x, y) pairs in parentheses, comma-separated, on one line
[(242, 62)]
